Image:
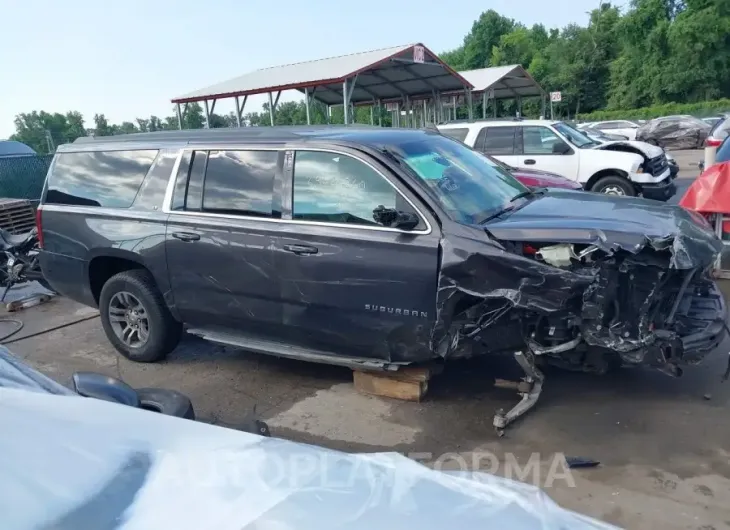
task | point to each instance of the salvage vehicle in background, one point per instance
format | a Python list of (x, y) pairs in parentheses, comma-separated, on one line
[(642, 148), (674, 132), (531, 178), (534, 178), (557, 147), (625, 128), (370, 248), (600, 136)]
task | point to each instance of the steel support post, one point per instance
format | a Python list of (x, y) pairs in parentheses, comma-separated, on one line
[(484, 105), (380, 114), (179, 117), (207, 114), (238, 112), (306, 102), (271, 109), (470, 105), (345, 101)]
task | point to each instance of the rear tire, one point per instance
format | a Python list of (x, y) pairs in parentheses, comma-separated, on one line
[(614, 185), (162, 332)]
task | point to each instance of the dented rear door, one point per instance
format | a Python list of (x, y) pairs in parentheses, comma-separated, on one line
[(219, 239)]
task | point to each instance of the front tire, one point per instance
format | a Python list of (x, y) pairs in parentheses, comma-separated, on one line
[(136, 319), (614, 185)]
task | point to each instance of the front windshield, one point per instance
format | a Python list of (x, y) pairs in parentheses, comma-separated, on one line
[(468, 187), (574, 136)]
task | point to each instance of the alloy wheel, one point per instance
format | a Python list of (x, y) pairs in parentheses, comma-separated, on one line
[(129, 319)]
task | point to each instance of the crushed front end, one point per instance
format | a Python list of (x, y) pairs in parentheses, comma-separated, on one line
[(634, 289)]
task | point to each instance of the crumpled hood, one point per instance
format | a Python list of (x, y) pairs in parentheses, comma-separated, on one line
[(650, 151), (611, 223)]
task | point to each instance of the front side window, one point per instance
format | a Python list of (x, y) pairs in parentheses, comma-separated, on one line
[(574, 136), (466, 185), (335, 188), (109, 179), (539, 140), (240, 182)]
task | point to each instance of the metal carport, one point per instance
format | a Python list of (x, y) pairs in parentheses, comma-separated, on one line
[(401, 73), (503, 82)]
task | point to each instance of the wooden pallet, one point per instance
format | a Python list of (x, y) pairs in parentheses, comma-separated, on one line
[(410, 383), (17, 216)]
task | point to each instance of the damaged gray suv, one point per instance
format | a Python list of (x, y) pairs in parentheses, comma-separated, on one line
[(372, 248)]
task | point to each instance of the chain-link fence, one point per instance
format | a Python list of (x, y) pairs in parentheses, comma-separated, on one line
[(22, 177)]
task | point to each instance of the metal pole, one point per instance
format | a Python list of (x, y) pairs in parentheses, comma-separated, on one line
[(551, 108), (179, 117), (470, 103), (238, 112), (372, 114), (345, 102), (380, 114), (306, 100), (519, 106), (494, 106), (425, 112), (207, 115), (453, 102), (271, 109), (484, 105)]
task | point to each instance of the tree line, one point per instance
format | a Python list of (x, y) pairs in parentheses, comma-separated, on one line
[(653, 53)]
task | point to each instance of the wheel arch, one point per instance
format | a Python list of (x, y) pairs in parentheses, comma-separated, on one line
[(605, 173)]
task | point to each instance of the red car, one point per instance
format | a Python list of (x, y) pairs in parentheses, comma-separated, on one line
[(536, 179)]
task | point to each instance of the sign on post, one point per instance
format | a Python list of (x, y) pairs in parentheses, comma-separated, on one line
[(556, 97), (419, 54)]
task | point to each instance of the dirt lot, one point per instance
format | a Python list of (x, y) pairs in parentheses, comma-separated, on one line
[(664, 448)]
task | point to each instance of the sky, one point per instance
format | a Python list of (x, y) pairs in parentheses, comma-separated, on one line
[(128, 59)]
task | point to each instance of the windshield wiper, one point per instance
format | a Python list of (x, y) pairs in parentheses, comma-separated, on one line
[(508, 207)]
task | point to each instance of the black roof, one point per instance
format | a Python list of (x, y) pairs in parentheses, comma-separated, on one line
[(365, 134)]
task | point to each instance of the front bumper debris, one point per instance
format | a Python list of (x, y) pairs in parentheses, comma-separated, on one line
[(661, 191)]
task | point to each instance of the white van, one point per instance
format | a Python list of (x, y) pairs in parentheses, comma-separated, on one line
[(615, 168)]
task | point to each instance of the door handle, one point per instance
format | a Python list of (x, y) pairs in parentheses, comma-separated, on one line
[(530, 162), (186, 236), (301, 250)]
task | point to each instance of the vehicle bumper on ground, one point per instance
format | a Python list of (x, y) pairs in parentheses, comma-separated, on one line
[(660, 191)]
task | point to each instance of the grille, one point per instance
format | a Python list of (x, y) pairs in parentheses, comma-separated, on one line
[(657, 165)]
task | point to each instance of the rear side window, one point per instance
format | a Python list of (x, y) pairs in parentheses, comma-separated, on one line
[(109, 179), (240, 182), (456, 134), (496, 140)]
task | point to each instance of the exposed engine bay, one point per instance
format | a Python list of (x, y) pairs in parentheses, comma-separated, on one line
[(628, 292)]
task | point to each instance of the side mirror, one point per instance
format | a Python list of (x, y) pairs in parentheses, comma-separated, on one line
[(561, 148), (393, 218), (98, 386)]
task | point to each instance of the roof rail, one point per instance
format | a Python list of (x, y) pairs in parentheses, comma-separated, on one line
[(478, 120)]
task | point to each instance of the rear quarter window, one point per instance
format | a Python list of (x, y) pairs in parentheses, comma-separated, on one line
[(109, 179)]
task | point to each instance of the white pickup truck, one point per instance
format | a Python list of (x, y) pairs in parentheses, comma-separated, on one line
[(616, 168)]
